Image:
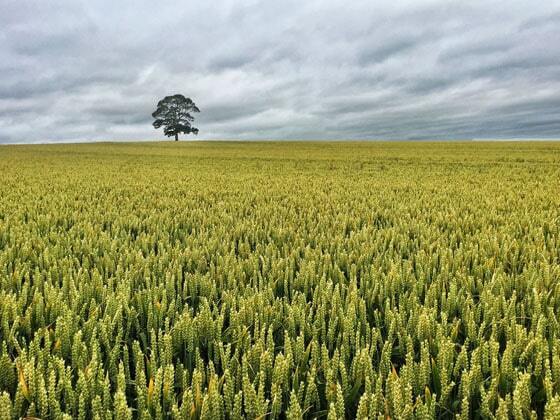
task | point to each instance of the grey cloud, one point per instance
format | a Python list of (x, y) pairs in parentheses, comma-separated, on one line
[(383, 52), (425, 85), (551, 20), (476, 51), (73, 70), (232, 61)]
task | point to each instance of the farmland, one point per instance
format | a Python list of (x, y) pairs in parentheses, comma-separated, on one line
[(280, 280)]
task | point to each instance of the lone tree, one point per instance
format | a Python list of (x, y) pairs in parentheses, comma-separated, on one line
[(173, 113)]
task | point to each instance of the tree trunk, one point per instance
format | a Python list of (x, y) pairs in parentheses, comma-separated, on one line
[(176, 137)]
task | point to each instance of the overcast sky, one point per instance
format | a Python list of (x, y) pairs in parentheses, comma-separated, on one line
[(73, 70)]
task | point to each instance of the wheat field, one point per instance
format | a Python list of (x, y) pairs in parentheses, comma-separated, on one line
[(273, 280)]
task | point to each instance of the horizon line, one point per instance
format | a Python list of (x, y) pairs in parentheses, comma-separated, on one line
[(269, 140)]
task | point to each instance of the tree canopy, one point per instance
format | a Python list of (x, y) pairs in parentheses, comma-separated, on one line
[(174, 114)]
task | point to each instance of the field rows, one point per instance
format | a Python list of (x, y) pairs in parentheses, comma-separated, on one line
[(270, 280)]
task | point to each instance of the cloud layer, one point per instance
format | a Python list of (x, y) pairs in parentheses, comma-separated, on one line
[(75, 70)]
